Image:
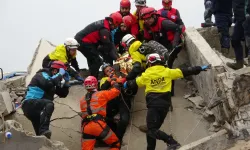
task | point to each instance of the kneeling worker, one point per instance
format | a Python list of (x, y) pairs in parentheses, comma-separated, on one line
[(93, 108)]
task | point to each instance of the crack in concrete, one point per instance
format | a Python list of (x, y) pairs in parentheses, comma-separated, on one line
[(60, 118), (67, 105), (66, 128)]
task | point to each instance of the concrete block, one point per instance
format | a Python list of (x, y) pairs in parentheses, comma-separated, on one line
[(6, 106), (43, 49), (200, 53), (22, 140), (15, 81), (3, 87)]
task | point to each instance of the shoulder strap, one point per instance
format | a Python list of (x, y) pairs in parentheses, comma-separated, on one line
[(88, 98)]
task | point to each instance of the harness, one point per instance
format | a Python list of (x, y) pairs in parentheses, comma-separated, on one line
[(95, 117)]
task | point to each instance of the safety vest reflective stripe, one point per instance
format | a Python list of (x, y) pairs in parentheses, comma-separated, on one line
[(108, 135), (95, 110)]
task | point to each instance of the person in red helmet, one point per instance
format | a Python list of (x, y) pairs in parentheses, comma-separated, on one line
[(125, 6), (128, 26), (95, 40), (139, 4), (171, 13), (93, 109), (158, 28), (38, 104)]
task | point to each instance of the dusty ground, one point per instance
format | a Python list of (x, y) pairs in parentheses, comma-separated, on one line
[(241, 145)]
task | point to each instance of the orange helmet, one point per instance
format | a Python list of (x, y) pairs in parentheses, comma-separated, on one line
[(128, 21), (58, 65), (125, 3), (147, 12), (116, 18)]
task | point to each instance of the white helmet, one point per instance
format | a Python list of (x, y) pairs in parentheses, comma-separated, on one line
[(152, 58), (127, 39), (71, 43), (140, 2)]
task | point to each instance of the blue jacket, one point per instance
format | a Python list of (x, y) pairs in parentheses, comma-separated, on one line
[(44, 86)]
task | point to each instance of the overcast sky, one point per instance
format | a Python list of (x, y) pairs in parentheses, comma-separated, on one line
[(24, 22)]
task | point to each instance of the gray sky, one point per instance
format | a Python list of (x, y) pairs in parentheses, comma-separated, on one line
[(25, 22)]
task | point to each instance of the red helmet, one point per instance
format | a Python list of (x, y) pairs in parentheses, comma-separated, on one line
[(147, 12), (90, 83), (58, 65), (125, 3), (167, 3), (116, 18), (127, 20)]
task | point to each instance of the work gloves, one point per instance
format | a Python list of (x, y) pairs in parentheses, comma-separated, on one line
[(66, 77), (62, 71), (205, 67), (79, 78)]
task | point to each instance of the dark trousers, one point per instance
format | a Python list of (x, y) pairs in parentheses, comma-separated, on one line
[(39, 113), (223, 23), (246, 26), (155, 118), (237, 36), (123, 108)]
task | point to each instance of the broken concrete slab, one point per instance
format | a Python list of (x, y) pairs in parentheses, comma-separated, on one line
[(198, 51), (20, 140), (16, 81), (196, 101), (43, 49), (6, 103)]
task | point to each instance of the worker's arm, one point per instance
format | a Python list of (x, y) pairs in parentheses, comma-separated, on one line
[(105, 84), (112, 93), (74, 64), (138, 82), (168, 25), (180, 22), (136, 70), (184, 72), (108, 46), (48, 82), (62, 92), (146, 34)]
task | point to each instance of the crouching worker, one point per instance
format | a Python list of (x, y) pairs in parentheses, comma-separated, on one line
[(93, 108), (65, 53), (157, 80), (38, 104)]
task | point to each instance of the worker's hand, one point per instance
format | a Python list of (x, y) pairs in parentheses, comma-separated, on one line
[(121, 80), (62, 71), (205, 67), (66, 76)]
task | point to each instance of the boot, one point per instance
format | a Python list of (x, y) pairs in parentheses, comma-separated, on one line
[(47, 134), (238, 65), (173, 144), (143, 128)]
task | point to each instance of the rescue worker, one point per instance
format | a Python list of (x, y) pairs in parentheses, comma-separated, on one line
[(172, 14), (246, 26), (138, 52), (65, 53), (95, 40), (158, 28), (208, 11), (128, 26), (38, 104), (121, 105), (139, 4), (238, 34), (223, 20), (157, 80), (93, 108)]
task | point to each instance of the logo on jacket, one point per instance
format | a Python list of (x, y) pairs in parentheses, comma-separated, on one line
[(173, 16), (157, 81)]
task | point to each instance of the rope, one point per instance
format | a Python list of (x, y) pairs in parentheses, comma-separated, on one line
[(200, 119)]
